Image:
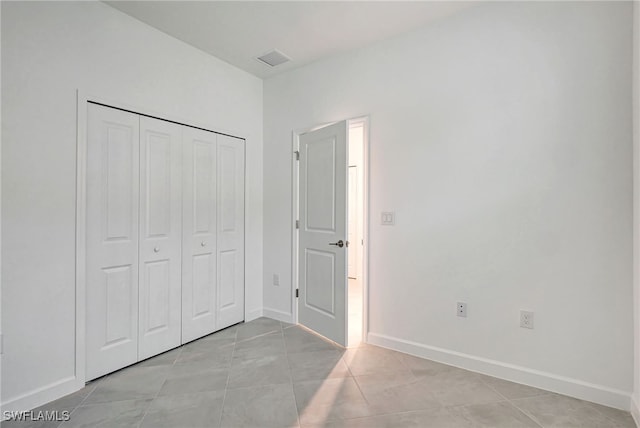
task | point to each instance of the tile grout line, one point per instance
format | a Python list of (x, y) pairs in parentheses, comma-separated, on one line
[(61, 424), (491, 387), (530, 416), (146, 411), (354, 378), (442, 406), (226, 385), (103, 378), (610, 419), (293, 391), (256, 336), (587, 403)]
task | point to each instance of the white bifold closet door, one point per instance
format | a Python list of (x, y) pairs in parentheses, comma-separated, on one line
[(134, 230), (199, 239), (230, 249), (165, 236), (160, 290), (213, 233), (113, 184)]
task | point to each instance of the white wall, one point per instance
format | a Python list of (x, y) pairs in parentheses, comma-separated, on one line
[(50, 49), (635, 403), (1, 208), (502, 139)]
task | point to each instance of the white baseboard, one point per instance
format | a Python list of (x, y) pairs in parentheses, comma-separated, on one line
[(560, 384), (635, 410), (252, 315), (278, 315), (43, 395)]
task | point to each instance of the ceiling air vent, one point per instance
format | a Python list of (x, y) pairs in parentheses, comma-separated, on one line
[(273, 58)]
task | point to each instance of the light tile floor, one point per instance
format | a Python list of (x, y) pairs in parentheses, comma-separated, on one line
[(268, 374)]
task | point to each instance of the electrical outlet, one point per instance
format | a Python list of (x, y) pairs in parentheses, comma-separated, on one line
[(387, 218), (462, 309), (276, 279), (526, 319)]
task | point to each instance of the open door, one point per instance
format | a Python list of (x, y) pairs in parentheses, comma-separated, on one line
[(322, 249)]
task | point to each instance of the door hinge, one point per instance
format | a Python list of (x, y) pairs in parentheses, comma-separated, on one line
[(297, 153), (297, 224), (297, 292)]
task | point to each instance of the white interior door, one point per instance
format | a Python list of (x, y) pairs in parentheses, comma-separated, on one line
[(353, 223), (322, 261), (199, 275), (160, 276), (230, 231), (112, 240)]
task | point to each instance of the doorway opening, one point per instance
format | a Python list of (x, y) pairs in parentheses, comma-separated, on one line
[(329, 241), (355, 230)]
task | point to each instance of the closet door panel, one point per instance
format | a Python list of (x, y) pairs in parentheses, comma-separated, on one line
[(160, 236), (199, 273), (112, 240), (230, 227)]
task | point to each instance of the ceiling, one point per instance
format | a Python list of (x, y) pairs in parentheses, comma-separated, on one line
[(306, 31)]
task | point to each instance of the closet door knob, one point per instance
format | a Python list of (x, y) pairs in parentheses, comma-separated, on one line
[(156, 250), (203, 244)]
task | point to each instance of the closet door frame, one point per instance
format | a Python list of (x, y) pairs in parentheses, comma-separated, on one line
[(84, 98)]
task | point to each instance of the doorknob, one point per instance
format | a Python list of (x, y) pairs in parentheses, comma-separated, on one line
[(340, 243), (156, 250)]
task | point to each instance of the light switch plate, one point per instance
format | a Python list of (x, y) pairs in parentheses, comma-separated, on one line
[(388, 218)]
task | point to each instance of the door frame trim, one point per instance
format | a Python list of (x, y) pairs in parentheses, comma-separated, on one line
[(295, 198), (83, 98)]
